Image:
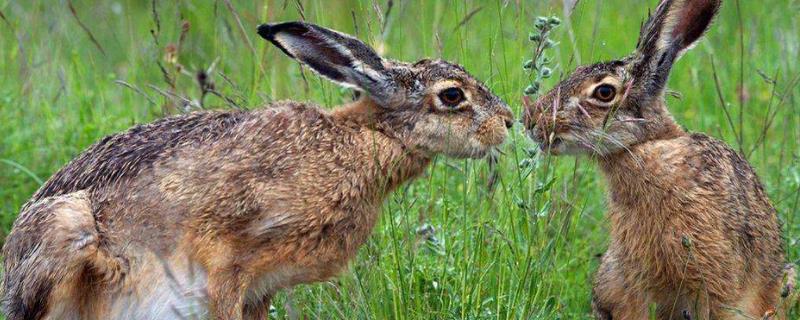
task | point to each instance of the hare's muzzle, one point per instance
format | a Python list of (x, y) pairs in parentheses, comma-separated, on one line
[(541, 126), (531, 117)]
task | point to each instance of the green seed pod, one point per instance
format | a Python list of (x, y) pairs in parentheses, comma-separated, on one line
[(532, 89), (541, 23), (554, 21), (528, 64), (536, 37), (542, 20), (546, 72)]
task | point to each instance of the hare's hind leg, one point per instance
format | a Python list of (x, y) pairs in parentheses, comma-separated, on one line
[(758, 301), (612, 297), (51, 251)]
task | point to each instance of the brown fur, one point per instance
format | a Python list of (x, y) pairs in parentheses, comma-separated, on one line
[(225, 208), (692, 230)]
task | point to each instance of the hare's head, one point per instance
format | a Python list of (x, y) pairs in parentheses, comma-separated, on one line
[(607, 107), (431, 105)]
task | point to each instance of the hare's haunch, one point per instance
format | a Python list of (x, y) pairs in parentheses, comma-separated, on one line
[(209, 214), (692, 230)]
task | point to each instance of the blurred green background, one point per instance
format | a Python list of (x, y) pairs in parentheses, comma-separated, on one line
[(72, 72)]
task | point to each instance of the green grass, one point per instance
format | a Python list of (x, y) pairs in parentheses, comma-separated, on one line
[(526, 251)]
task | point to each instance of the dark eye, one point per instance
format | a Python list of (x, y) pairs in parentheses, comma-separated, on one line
[(451, 96), (604, 92)]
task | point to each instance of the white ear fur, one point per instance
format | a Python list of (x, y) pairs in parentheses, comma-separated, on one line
[(336, 56)]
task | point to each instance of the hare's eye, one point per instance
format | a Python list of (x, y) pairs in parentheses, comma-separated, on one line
[(605, 92), (451, 96)]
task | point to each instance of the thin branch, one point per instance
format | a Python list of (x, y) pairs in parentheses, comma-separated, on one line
[(62, 88), (3, 16), (23, 169), (722, 102), (135, 89), (241, 27), (389, 5), (85, 29), (157, 31), (771, 115), (229, 101), (355, 23), (167, 78), (169, 95), (741, 76), (467, 18), (300, 9)]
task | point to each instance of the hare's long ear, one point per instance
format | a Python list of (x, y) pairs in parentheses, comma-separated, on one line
[(334, 55), (674, 28)]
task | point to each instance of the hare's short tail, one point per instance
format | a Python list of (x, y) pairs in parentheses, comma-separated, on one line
[(53, 249)]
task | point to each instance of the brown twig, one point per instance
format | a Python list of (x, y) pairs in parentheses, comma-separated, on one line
[(241, 27), (379, 13), (233, 85), (389, 5), (187, 104), (741, 76), (723, 103), (185, 26), (62, 88), (770, 118), (85, 29), (135, 89), (167, 78), (3, 16), (157, 31), (300, 9), (306, 86), (355, 23), (467, 18)]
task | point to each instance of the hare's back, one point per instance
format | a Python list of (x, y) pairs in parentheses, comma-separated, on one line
[(719, 167), (738, 193), (123, 156)]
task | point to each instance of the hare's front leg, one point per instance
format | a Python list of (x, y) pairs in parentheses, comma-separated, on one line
[(257, 310), (226, 294), (612, 297)]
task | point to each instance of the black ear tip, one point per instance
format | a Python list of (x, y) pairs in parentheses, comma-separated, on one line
[(269, 30), (266, 31)]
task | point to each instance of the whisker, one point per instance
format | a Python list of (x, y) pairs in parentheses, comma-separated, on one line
[(613, 140), (633, 120), (585, 142), (585, 113), (556, 104), (627, 90)]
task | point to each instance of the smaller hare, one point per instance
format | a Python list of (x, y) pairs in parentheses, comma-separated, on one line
[(210, 213), (692, 230)]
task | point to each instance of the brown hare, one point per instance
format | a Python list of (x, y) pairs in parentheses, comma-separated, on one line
[(208, 214), (692, 230)]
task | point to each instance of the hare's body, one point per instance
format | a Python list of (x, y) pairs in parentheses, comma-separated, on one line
[(692, 231), (690, 227), (209, 214), (288, 205)]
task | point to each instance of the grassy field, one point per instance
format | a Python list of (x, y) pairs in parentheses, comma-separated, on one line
[(72, 72)]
